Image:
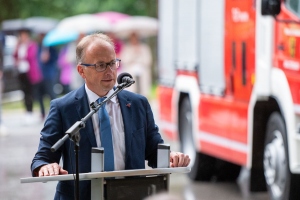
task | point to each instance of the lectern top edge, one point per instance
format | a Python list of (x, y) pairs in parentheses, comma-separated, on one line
[(96, 175)]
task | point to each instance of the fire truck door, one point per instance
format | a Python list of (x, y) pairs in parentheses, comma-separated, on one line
[(241, 41), (287, 44)]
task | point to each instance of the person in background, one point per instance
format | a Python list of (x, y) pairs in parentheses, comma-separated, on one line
[(65, 67), (118, 46), (47, 57), (3, 129), (136, 59), (118, 43), (76, 80), (125, 126), (30, 76)]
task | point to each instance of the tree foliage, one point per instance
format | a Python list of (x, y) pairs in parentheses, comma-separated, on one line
[(59, 9)]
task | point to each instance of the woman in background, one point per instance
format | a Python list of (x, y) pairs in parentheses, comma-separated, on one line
[(30, 76), (136, 59)]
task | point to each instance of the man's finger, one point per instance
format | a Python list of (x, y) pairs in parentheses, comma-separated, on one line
[(187, 160), (62, 171), (45, 171), (175, 159), (51, 170), (181, 160), (55, 169), (41, 173)]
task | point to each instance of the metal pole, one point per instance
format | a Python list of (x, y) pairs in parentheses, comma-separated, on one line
[(77, 172), (163, 159), (97, 163)]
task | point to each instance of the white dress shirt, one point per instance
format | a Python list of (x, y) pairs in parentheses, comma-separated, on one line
[(117, 127)]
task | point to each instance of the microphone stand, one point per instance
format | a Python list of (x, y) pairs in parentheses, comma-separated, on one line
[(74, 135)]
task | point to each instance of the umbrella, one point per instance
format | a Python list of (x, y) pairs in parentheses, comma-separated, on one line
[(68, 29), (12, 25), (84, 23), (58, 37), (142, 25), (111, 16), (35, 24), (40, 24)]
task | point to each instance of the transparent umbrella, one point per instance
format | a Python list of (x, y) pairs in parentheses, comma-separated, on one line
[(142, 25), (40, 24), (84, 23), (11, 25), (35, 24)]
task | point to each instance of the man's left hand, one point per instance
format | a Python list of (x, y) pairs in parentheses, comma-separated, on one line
[(178, 159)]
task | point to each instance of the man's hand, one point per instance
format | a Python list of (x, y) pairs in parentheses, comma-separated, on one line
[(178, 159), (52, 169)]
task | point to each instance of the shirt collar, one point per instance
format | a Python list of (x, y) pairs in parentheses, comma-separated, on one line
[(94, 97)]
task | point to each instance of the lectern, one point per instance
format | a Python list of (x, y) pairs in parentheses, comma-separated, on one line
[(125, 184)]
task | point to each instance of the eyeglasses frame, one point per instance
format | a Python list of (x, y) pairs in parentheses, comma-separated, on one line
[(106, 64)]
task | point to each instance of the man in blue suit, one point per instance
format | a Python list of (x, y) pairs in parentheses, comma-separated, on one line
[(134, 134)]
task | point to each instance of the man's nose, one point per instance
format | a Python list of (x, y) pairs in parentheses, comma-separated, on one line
[(109, 66)]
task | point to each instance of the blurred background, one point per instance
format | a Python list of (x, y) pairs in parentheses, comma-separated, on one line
[(42, 17), (55, 27)]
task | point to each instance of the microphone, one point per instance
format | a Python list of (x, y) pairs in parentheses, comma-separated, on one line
[(125, 78)]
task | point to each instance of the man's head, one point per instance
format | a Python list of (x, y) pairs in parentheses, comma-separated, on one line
[(96, 49)]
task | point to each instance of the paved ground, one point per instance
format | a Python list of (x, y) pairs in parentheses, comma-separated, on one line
[(17, 149)]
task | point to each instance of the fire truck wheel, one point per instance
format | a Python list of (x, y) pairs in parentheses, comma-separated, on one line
[(226, 171), (202, 166), (276, 167)]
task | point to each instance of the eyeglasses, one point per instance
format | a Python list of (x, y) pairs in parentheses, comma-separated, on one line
[(100, 67)]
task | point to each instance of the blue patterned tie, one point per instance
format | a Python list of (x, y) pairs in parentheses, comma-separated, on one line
[(106, 137)]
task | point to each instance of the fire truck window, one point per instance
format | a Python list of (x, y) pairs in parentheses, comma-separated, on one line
[(233, 56), (244, 63), (293, 5)]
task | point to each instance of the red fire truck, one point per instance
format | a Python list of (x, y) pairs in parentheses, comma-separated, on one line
[(229, 89)]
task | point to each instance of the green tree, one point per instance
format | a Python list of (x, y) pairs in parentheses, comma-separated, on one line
[(12, 9)]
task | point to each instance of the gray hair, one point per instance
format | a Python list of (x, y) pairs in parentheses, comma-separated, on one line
[(85, 41)]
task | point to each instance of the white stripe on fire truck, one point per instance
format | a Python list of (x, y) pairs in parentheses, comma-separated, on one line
[(223, 142), (297, 108), (167, 125)]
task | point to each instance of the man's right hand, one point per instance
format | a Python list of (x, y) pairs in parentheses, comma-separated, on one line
[(52, 169)]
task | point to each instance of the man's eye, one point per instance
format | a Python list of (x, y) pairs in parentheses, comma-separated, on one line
[(102, 65), (113, 63)]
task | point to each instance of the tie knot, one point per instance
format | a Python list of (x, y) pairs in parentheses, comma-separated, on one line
[(101, 99)]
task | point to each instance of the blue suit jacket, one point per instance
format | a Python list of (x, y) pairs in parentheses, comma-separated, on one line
[(141, 137)]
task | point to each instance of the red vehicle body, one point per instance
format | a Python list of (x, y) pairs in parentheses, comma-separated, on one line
[(229, 89)]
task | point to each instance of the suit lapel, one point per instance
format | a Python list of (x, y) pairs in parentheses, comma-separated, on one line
[(126, 110), (82, 106)]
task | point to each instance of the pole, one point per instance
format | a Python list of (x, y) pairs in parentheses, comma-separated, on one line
[(77, 172)]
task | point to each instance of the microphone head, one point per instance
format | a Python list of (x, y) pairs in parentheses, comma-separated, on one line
[(121, 76)]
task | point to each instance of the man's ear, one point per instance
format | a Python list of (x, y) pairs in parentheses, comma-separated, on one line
[(80, 71)]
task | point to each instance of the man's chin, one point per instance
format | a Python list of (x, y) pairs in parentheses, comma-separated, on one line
[(107, 87)]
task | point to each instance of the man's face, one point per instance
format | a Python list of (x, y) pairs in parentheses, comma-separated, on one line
[(98, 51)]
